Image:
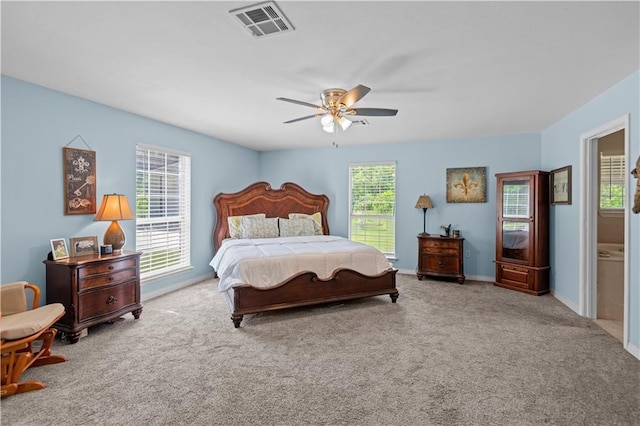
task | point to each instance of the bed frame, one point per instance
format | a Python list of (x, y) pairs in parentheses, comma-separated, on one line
[(305, 288)]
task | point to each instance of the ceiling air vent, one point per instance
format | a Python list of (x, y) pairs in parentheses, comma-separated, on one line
[(263, 19), (359, 122)]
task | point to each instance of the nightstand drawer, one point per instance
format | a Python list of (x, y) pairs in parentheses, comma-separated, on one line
[(107, 300), (112, 278), (106, 267), (440, 250), (448, 264), (434, 243)]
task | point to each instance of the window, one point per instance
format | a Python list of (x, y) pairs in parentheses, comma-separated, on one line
[(163, 193), (372, 218), (612, 182)]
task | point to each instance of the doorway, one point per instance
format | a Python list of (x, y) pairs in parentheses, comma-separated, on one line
[(589, 218)]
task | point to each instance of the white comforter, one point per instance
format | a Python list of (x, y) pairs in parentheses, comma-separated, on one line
[(266, 262)]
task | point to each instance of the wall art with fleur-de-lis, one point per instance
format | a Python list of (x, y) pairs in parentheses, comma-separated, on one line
[(79, 181), (467, 185)]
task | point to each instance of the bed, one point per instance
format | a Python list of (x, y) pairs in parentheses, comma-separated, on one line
[(304, 287)]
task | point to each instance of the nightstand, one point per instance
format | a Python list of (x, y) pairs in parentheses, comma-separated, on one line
[(94, 289), (440, 257)]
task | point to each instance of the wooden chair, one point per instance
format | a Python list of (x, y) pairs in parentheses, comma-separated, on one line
[(20, 327)]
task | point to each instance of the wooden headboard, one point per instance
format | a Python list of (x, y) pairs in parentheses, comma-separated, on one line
[(261, 198)]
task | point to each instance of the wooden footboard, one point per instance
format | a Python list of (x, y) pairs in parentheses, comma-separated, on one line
[(307, 289)]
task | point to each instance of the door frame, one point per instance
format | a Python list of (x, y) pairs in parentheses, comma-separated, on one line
[(589, 221)]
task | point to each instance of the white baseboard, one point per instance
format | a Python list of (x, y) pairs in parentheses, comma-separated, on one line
[(467, 277), (633, 350), (567, 302), (164, 290)]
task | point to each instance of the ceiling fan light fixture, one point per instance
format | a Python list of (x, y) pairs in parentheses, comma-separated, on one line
[(326, 121), (330, 127), (343, 122)]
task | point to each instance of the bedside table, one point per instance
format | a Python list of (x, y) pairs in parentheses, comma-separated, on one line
[(440, 257), (94, 289)]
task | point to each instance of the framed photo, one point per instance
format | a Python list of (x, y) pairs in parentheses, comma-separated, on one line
[(79, 181), (561, 185), (82, 246), (467, 185), (59, 249)]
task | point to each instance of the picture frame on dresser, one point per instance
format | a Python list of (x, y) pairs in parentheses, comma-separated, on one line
[(59, 248), (83, 246), (561, 185)]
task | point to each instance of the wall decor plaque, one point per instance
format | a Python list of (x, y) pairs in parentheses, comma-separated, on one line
[(467, 185), (79, 181)]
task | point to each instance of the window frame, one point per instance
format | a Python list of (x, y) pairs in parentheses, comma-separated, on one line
[(390, 254), (620, 180), (167, 200)]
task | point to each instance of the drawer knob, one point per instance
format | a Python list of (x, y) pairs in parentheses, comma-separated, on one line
[(440, 264), (111, 267), (111, 300)]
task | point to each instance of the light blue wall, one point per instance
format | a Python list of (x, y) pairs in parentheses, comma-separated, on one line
[(37, 123), (561, 147), (421, 168)]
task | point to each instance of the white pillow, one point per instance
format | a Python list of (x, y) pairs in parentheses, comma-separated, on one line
[(252, 227), (317, 220), (234, 223), (296, 227)]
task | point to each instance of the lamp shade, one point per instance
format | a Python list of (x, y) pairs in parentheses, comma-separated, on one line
[(424, 202), (114, 207)]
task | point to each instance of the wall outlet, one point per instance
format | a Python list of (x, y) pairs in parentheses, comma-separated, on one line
[(467, 253)]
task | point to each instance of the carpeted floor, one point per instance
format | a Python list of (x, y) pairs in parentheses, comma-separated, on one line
[(445, 354)]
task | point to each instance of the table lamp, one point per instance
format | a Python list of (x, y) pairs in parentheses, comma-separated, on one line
[(114, 207), (424, 203)]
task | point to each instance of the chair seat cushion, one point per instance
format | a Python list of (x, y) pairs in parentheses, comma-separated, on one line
[(23, 324)]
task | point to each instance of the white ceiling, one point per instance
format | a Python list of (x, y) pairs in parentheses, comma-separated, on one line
[(452, 69)]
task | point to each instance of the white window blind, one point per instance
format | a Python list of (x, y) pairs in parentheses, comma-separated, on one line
[(612, 181), (163, 194), (372, 199)]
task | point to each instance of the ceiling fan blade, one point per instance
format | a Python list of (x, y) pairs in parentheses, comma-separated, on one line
[(293, 101), (373, 112), (353, 95), (305, 118)]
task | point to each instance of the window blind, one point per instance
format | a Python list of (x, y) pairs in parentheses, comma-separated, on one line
[(163, 194), (612, 181), (372, 199)]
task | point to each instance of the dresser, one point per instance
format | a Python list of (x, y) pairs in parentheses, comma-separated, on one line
[(440, 257), (94, 289), (522, 225)]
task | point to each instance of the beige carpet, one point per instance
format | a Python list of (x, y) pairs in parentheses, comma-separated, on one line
[(445, 354)]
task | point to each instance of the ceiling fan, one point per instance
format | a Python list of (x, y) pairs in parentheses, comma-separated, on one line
[(336, 103)]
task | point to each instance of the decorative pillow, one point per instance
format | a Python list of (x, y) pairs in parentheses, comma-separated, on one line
[(256, 227), (317, 219), (234, 223), (296, 227)]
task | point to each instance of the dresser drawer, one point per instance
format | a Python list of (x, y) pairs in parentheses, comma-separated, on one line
[(513, 275), (444, 264), (104, 279), (106, 300), (441, 250), (106, 267), (439, 244)]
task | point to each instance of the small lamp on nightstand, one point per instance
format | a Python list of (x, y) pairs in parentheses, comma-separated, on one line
[(424, 203), (114, 207)]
